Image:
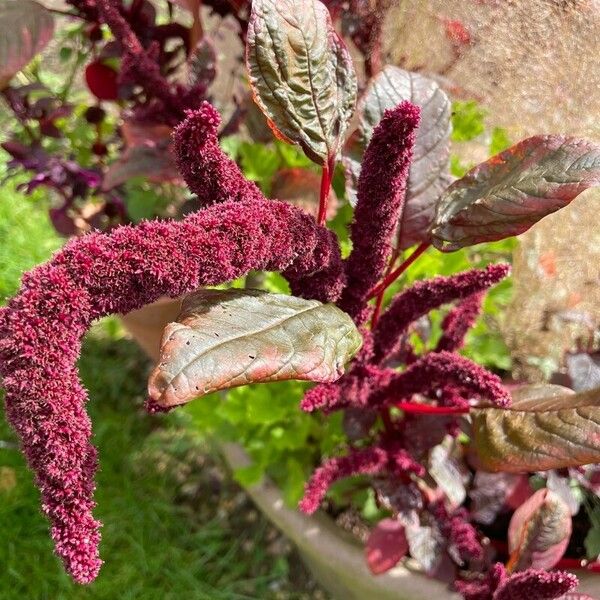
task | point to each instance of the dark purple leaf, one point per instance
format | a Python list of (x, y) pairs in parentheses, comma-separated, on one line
[(386, 546), (202, 63), (510, 192)]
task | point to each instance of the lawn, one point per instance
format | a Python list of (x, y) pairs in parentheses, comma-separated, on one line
[(174, 523)]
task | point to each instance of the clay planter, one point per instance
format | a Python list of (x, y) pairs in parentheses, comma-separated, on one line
[(333, 556)]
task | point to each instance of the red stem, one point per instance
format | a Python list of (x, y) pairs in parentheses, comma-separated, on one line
[(326, 177), (391, 277), (430, 409), (379, 302)]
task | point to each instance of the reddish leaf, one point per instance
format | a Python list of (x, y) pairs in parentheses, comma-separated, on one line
[(511, 191), (386, 545), (539, 532), (102, 81), (26, 27), (155, 163), (202, 63)]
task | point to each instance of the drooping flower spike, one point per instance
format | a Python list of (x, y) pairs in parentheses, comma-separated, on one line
[(103, 274)]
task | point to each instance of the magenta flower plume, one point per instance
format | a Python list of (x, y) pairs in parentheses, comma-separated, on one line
[(381, 190), (368, 461), (525, 585), (458, 321), (102, 274), (207, 171), (461, 535), (536, 583), (423, 297), (438, 369)]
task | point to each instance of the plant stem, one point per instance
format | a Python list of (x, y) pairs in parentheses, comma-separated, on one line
[(379, 302), (391, 277), (430, 409), (326, 177)]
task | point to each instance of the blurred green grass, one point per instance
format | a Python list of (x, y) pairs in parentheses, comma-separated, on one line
[(156, 545)]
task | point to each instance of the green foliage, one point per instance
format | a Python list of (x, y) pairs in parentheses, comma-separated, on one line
[(26, 237), (467, 120), (282, 441)]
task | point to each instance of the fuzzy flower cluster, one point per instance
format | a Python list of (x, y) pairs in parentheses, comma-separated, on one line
[(525, 585), (238, 230), (102, 274)]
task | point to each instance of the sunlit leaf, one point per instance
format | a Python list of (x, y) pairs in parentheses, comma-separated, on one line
[(547, 427), (386, 545), (447, 474), (510, 192), (429, 171), (539, 532), (26, 27), (228, 338), (301, 74)]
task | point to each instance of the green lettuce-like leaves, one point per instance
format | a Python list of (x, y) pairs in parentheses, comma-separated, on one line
[(301, 74), (26, 27), (546, 427), (228, 338), (429, 171), (510, 192)]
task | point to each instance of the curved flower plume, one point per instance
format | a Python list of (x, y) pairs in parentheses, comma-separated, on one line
[(208, 173), (381, 190), (458, 321), (438, 369), (426, 295), (103, 274)]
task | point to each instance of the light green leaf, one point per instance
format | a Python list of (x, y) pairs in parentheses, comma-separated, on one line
[(229, 338)]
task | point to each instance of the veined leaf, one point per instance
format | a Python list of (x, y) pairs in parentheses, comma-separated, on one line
[(511, 191), (228, 338), (429, 171), (301, 74), (26, 27), (539, 532), (546, 427)]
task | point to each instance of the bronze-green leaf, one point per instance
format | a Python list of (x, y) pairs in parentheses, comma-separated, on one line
[(228, 338), (301, 74), (511, 191), (539, 532), (546, 427), (429, 175), (26, 27)]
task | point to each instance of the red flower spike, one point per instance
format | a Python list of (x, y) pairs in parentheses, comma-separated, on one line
[(359, 462), (208, 172), (458, 321), (437, 369), (102, 274), (423, 297), (381, 190)]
